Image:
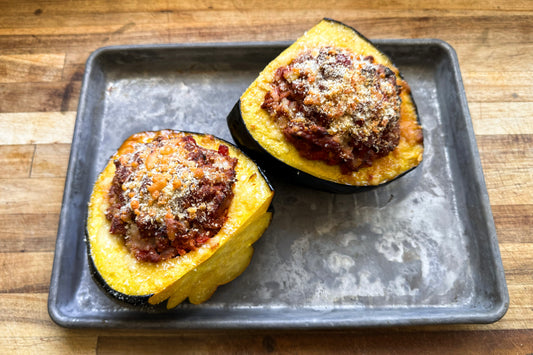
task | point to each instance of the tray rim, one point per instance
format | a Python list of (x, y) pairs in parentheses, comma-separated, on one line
[(495, 313)]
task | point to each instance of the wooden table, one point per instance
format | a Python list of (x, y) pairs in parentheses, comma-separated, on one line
[(43, 49)]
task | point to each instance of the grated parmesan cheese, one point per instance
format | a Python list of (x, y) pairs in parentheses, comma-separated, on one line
[(350, 97)]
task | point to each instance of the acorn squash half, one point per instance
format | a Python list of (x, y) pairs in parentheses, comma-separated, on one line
[(196, 274), (255, 132)]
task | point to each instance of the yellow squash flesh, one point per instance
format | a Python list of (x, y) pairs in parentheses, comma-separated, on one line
[(124, 274), (407, 155)]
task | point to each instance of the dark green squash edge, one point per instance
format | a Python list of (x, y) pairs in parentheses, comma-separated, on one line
[(277, 167), (141, 302)]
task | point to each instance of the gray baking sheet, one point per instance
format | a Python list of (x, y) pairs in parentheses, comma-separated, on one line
[(419, 250)]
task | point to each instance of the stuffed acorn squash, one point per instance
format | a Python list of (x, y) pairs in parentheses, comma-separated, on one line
[(173, 215), (332, 112)]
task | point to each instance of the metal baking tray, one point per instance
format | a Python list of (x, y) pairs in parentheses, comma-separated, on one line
[(420, 250)]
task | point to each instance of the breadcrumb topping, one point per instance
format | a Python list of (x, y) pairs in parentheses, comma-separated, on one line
[(170, 195), (336, 106)]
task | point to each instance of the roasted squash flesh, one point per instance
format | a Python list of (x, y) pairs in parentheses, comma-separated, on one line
[(130, 278), (267, 134)]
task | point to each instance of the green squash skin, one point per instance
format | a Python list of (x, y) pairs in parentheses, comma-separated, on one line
[(125, 300), (141, 302), (137, 302), (275, 166)]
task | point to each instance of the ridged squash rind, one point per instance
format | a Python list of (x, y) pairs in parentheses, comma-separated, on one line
[(137, 283), (257, 134)]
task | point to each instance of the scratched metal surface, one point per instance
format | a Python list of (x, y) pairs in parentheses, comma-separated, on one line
[(420, 250)]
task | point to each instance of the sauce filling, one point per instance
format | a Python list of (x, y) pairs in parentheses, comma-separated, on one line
[(336, 106), (169, 196)]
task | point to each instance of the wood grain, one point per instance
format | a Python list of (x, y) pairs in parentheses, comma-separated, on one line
[(49, 345), (492, 342), (504, 118), (513, 223), (50, 160), (33, 272), (506, 161), (55, 96), (500, 88), (31, 67), (16, 160), (28, 232), (44, 46), (27, 196), (36, 127)]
